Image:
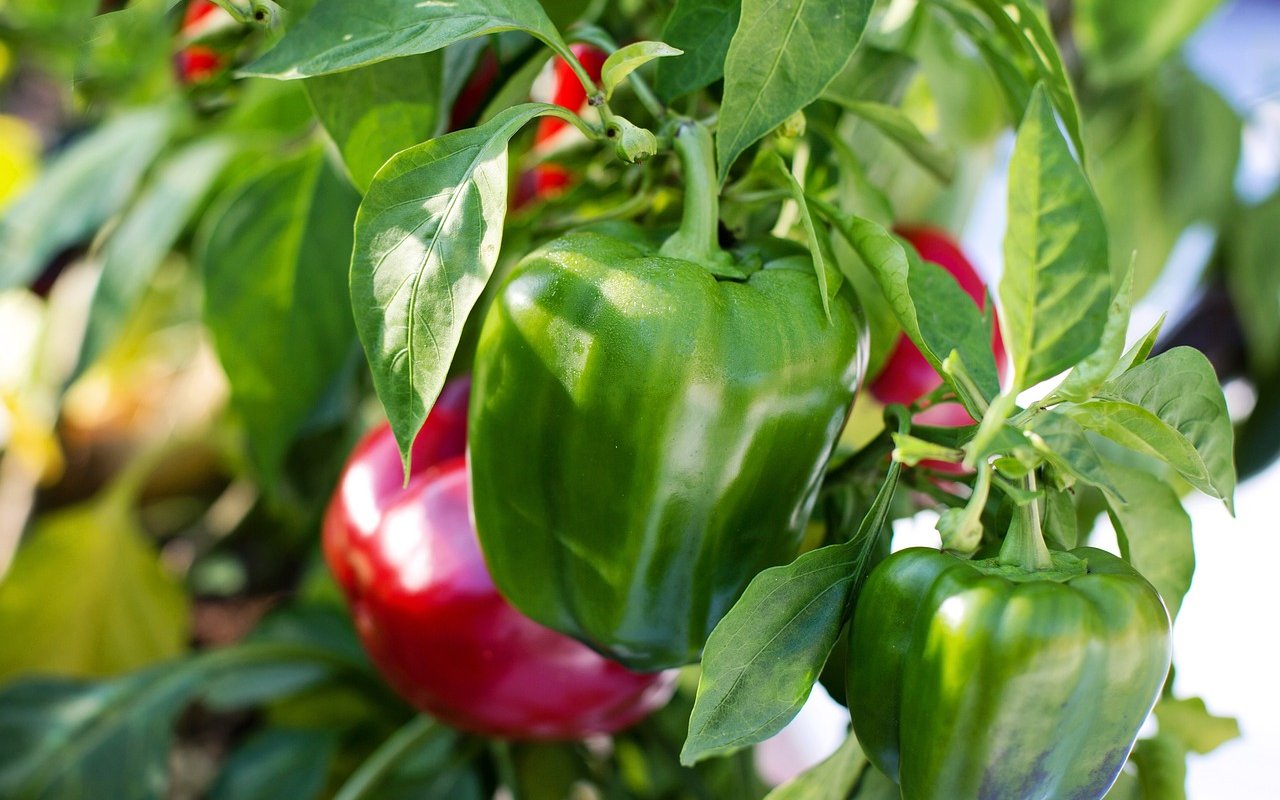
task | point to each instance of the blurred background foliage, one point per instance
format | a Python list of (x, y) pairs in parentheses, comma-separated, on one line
[(171, 249)]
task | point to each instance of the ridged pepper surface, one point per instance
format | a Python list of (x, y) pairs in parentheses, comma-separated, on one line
[(977, 679), (650, 424)]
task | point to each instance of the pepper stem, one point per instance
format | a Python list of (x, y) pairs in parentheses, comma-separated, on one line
[(698, 239), (1024, 546)]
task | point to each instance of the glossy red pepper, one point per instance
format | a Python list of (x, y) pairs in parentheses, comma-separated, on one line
[(374, 477), (432, 620), (907, 376)]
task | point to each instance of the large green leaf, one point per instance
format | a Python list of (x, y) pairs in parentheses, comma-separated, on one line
[(1087, 377), (1154, 532), (783, 54), (1181, 389), (87, 596), (275, 262), (63, 738), (934, 312), (427, 239), (338, 34), (762, 659), (80, 190), (702, 29), (145, 235), (898, 127), (376, 111), (1021, 52), (1140, 430), (1123, 41), (277, 763), (1055, 290)]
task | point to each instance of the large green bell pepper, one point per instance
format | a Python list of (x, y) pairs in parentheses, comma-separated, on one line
[(649, 425), (978, 679)]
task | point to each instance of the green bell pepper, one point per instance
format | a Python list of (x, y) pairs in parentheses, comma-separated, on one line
[(650, 424), (985, 679)]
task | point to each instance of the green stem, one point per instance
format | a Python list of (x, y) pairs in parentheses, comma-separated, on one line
[(698, 238), (1024, 546), (367, 779)]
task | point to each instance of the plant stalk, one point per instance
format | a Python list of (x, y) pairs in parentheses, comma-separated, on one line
[(1024, 546)]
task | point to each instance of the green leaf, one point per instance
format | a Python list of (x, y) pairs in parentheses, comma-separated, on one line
[(1064, 444), (61, 738), (1088, 376), (967, 95), (1181, 388), (1061, 526), (1010, 75), (1254, 280), (1190, 722), (828, 278), (762, 659), (1026, 55), (64, 738), (782, 56), (935, 313), (421, 761), (337, 34), (873, 75), (1124, 41), (835, 778), (275, 262), (1162, 768), (1056, 284), (1138, 352), (703, 30), (291, 763), (145, 235), (121, 611), (1140, 430), (898, 127), (80, 190), (427, 239), (882, 324), (1154, 532), (626, 60), (374, 112)]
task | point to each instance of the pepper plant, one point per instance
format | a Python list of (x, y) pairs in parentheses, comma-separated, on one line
[(671, 243)]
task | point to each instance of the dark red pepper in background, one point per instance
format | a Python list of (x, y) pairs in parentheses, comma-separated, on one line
[(429, 615), (543, 180)]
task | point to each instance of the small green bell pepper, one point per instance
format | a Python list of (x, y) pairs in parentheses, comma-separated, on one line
[(983, 679), (650, 424)]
